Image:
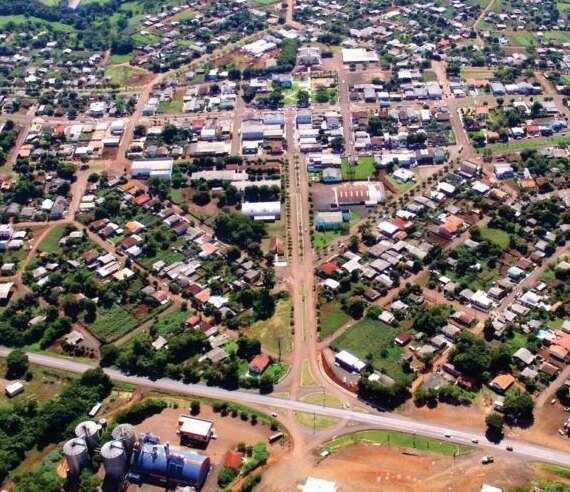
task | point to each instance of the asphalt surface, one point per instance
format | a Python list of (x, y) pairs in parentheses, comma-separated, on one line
[(385, 421)]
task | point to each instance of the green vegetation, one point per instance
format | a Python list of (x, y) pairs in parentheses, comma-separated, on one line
[(322, 239), (331, 318), (495, 236), (50, 243), (275, 332), (365, 168), (374, 340), (171, 321), (533, 143), (400, 440), (318, 422), (123, 75), (23, 19), (477, 73), (174, 106), (276, 371), (397, 185), (429, 76), (322, 399), (177, 196), (264, 2), (562, 36), (112, 323), (520, 38), (307, 378), (118, 59), (559, 471)]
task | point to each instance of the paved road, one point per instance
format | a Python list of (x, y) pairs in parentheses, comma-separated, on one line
[(387, 421)]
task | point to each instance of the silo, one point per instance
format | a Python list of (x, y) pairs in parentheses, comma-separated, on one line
[(126, 434), (76, 454), (89, 430), (114, 459)]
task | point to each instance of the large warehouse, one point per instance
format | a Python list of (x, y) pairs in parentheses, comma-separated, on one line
[(164, 464), (150, 168)]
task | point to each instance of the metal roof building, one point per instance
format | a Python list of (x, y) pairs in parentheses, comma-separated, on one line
[(161, 463)]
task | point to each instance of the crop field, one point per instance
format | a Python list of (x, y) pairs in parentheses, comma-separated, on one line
[(112, 323)]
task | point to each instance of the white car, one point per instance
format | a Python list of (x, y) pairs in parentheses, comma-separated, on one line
[(447, 434)]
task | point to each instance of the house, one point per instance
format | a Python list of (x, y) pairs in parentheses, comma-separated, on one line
[(282, 81), (14, 389), (502, 383), (504, 171), (403, 338), (258, 364), (524, 355)]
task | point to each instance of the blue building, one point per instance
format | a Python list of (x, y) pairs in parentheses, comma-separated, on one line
[(159, 463), (331, 220), (331, 175), (282, 81)]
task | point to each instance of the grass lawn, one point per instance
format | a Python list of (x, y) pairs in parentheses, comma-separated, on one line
[(166, 255), (375, 338), (517, 341), (174, 106), (277, 371), (21, 19), (307, 378), (559, 471), (326, 399), (290, 95), (398, 439), (429, 76), (264, 2), (50, 3), (50, 243), (275, 329), (520, 38), (112, 323), (495, 236), (562, 36), (144, 39), (563, 8), (177, 195), (324, 238), (44, 385), (364, 169), (183, 16), (331, 317), (122, 74), (172, 321), (476, 73), (397, 185), (317, 422), (118, 59), (527, 144)]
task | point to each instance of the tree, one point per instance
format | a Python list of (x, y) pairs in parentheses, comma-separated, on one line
[(337, 144), (226, 476), (248, 347), (518, 405), (195, 407), (17, 364), (495, 422), (88, 482), (201, 197), (303, 98), (355, 307), (353, 243)]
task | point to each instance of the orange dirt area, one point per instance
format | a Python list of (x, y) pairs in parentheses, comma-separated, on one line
[(229, 430), (547, 421), (367, 467), (141, 79)]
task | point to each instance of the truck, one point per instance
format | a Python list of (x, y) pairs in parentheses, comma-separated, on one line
[(485, 460)]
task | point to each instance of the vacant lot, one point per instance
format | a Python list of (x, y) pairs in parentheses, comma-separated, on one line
[(275, 333), (476, 73), (374, 338), (50, 243), (529, 144), (365, 168), (123, 75), (495, 236), (331, 317), (520, 38)]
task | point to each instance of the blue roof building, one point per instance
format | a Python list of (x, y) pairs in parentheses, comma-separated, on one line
[(160, 463)]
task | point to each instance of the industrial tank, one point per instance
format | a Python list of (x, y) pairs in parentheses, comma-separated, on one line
[(89, 430), (126, 434), (76, 454), (114, 459)]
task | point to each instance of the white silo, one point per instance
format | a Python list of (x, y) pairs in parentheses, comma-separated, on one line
[(90, 431), (76, 454), (126, 434), (114, 459)]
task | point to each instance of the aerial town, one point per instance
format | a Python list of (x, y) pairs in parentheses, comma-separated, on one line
[(251, 245)]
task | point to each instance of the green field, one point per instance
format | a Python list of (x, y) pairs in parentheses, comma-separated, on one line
[(112, 323), (50, 243), (400, 440), (21, 19), (476, 73), (429, 76), (177, 195), (530, 144), (364, 169), (174, 106), (313, 421), (322, 239), (520, 38), (171, 321), (307, 378), (561, 36), (118, 59), (495, 236), (144, 39), (331, 318), (563, 8), (276, 330), (122, 74), (377, 339), (400, 187), (277, 371), (263, 2)]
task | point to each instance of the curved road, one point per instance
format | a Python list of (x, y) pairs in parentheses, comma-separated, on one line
[(388, 421)]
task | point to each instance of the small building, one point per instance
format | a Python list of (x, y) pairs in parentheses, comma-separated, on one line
[(258, 364), (194, 430), (151, 168), (502, 383), (349, 362), (504, 171), (330, 220), (14, 389)]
